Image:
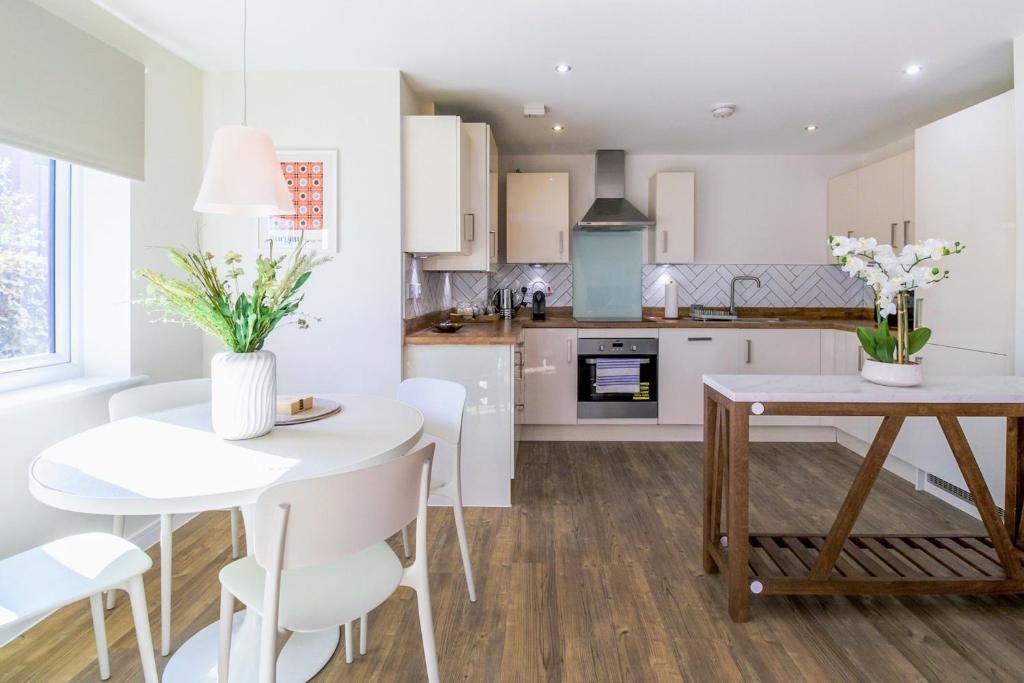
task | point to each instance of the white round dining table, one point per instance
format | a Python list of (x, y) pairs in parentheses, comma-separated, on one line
[(172, 462)]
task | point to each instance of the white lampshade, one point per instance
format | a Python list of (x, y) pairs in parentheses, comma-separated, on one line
[(243, 176)]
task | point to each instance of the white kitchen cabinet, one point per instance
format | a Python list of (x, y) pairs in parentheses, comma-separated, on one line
[(842, 207), (488, 428), (436, 217), (876, 200), (537, 217), (482, 209), (965, 191), (550, 376), (684, 357), (849, 359), (671, 206), (518, 395), (780, 352)]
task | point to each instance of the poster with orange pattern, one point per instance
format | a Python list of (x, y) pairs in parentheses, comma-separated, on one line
[(311, 177)]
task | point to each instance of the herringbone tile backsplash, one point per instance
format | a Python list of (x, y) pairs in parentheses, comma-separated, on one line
[(785, 286)]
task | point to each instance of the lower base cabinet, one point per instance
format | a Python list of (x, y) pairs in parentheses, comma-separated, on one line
[(684, 357), (780, 352), (549, 376)]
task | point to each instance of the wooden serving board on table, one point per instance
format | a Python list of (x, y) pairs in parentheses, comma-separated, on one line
[(321, 408)]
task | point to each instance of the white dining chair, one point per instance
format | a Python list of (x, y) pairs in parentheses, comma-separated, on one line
[(442, 404), (151, 398), (320, 556), (48, 577)]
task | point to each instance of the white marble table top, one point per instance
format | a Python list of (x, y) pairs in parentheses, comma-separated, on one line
[(854, 389)]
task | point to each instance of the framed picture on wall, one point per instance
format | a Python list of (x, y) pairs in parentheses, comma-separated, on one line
[(312, 178)]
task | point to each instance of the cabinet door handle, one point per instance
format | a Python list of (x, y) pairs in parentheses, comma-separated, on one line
[(906, 231), (568, 351), (494, 245), (519, 359), (918, 312), (892, 235), (860, 359), (849, 233), (561, 242), (469, 228), (698, 339), (664, 241), (750, 351)]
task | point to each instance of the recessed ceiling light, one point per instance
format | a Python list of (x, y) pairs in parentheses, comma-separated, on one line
[(811, 127), (912, 70), (563, 68), (723, 110), (558, 128)]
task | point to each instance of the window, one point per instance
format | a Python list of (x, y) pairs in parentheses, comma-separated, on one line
[(34, 260)]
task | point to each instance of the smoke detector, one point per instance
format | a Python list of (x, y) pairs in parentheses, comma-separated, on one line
[(723, 110), (534, 110)]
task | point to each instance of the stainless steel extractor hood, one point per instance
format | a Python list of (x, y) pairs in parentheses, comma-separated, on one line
[(610, 210)]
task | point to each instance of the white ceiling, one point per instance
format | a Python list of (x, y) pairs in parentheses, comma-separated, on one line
[(645, 72)]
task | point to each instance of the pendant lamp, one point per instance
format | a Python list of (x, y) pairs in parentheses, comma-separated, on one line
[(243, 174)]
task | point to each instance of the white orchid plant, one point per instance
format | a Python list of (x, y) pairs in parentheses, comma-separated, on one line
[(892, 276)]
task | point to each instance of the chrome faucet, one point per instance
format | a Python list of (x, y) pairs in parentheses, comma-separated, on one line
[(732, 290)]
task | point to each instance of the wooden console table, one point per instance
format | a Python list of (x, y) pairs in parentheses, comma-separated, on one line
[(838, 563)]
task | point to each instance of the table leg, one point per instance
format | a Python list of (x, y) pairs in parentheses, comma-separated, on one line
[(1013, 503), (739, 539), (855, 497), (982, 498), (710, 469)]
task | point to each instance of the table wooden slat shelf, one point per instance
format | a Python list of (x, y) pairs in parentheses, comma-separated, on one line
[(839, 562)]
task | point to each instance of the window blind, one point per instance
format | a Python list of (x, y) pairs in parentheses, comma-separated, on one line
[(68, 95)]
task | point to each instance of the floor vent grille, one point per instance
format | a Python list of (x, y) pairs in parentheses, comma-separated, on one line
[(957, 492)]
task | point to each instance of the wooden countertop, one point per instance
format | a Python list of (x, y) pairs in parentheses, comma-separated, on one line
[(507, 331)]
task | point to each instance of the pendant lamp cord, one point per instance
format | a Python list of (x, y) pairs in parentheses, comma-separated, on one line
[(245, 72)]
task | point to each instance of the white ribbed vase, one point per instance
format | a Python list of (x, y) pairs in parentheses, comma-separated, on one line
[(244, 394)]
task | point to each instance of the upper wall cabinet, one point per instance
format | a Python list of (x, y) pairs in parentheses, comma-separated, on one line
[(966, 191), (537, 217), (482, 208), (671, 207), (436, 217), (875, 201)]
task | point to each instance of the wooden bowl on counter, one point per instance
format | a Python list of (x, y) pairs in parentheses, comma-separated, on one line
[(446, 326)]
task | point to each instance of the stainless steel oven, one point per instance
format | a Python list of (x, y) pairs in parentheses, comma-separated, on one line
[(634, 397)]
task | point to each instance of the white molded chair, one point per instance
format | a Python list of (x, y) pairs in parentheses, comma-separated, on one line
[(320, 557), (40, 580), (442, 404), (151, 398)]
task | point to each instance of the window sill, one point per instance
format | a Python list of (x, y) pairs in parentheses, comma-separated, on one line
[(62, 390)]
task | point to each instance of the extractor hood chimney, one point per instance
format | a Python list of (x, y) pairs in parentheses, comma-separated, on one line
[(610, 210)]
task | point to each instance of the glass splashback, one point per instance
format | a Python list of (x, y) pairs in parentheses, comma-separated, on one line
[(606, 278)]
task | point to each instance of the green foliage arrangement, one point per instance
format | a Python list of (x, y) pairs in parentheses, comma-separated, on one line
[(881, 345), (217, 305)]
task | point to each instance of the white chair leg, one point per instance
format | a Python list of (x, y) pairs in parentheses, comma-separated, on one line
[(364, 622), (100, 629), (118, 531), (140, 614), (227, 615), (166, 553), (427, 628), (460, 529), (235, 515), (348, 642), (405, 540)]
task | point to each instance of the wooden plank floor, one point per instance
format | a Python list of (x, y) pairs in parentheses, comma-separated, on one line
[(595, 575)]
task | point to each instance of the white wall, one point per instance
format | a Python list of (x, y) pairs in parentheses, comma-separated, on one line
[(750, 209), (357, 346), (160, 214)]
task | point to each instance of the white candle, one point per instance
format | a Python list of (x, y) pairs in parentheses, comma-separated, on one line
[(671, 299)]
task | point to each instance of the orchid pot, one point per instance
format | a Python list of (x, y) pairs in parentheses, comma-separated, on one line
[(893, 277)]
